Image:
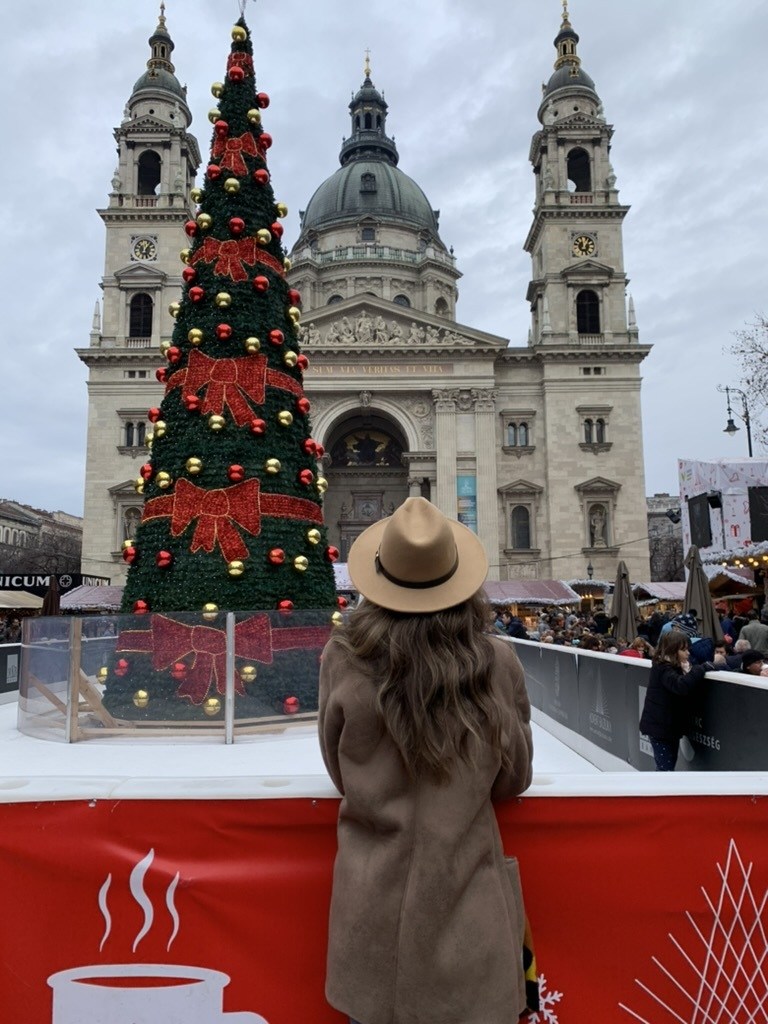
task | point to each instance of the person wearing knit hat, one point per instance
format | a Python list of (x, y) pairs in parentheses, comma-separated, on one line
[(752, 662)]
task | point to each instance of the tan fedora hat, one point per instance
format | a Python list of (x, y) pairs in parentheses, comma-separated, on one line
[(417, 560)]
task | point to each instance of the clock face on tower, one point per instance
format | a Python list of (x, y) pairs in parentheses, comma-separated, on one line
[(583, 245), (144, 249)]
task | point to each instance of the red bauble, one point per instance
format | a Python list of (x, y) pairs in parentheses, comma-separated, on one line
[(276, 556), (154, 415), (276, 337), (332, 553), (121, 667), (192, 402), (261, 283), (236, 473), (261, 176), (189, 274), (306, 477), (236, 225), (276, 229), (140, 607), (262, 99), (302, 362), (196, 293), (320, 452), (223, 332), (303, 406), (291, 705), (162, 374), (294, 297), (309, 446), (285, 605), (236, 73), (173, 354), (264, 141), (179, 670), (213, 171), (146, 471), (342, 602), (129, 555), (258, 426), (191, 228), (221, 128), (163, 559)]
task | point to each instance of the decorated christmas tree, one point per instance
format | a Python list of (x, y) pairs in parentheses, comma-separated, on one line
[(232, 490)]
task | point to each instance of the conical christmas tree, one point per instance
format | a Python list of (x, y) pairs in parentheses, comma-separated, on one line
[(233, 494)]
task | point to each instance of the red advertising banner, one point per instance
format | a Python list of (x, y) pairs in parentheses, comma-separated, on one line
[(644, 909)]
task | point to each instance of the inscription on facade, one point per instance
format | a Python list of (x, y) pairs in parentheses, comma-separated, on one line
[(380, 370)]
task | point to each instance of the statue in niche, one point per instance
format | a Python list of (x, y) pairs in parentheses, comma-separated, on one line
[(597, 523), (131, 520)]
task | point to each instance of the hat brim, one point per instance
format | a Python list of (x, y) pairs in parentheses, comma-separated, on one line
[(374, 586)]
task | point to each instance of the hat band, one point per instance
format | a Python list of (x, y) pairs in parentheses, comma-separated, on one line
[(412, 585)]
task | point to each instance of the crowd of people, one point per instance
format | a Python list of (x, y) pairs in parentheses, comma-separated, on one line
[(10, 630)]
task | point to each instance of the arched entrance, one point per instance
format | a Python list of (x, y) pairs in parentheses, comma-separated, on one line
[(367, 476)]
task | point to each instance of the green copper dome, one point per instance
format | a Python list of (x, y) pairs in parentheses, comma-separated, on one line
[(160, 78)]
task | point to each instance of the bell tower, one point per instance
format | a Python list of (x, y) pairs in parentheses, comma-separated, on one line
[(577, 293), (148, 204)]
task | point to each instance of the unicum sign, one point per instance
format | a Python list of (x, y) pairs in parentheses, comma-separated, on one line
[(35, 583)]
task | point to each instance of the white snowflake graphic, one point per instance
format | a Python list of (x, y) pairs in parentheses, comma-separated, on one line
[(717, 974), (545, 1014)]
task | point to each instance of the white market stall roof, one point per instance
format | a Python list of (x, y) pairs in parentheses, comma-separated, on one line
[(660, 591), (92, 599), (532, 592), (20, 600), (342, 578)]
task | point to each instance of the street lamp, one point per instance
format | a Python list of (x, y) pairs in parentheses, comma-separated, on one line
[(730, 427), (590, 569)]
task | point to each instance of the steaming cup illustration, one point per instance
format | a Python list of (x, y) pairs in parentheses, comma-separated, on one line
[(143, 994)]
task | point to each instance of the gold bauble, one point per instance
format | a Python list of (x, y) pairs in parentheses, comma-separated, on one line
[(294, 313), (235, 568), (248, 673), (216, 422), (272, 466), (282, 209), (138, 485), (301, 563), (164, 346), (231, 185), (196, 195), (204, 221), (217, 88), (210, 610), (290, 358), (337, 619), (149, 437), (161, 428), (194, 465), (184, 255), (195, 336), (127, 543), (314, 536), (286, 263), (214, 114), (163, 480), (239, 34), (102, 674), (321, 484), (252, 345), (174, 308), (254, 115), (212, 706), (141, 698), (263, 237), (285, 418), (223, 299)]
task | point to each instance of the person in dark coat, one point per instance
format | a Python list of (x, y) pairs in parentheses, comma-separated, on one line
[(667, 712), (424, 720)]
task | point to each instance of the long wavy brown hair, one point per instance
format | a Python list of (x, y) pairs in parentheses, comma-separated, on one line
[(433, 677), (669, 646)]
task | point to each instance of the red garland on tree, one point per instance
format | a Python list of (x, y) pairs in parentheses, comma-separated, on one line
[(236, 419)]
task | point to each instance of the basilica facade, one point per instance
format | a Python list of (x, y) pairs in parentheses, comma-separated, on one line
[(535, 443)]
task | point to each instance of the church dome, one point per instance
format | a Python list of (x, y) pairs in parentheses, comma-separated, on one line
[(369, 188), (569, 78), (160, 78)]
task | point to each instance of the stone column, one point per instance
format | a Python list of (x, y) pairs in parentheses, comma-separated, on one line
[(445, 446), (414, 487), (486, 484)]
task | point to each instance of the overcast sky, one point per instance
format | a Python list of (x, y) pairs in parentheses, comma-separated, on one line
[(682, 82)]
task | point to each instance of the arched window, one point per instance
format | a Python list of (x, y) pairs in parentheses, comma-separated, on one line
[(441, 307), (588, 437), (368, 122), (149, 173), (579, 170), (141, 316), (600, 431), (522, 435), (511, 435), (129, 435), (357, 122), (587, 312), (378, 121), (333, 300), (140, 431), (521, 527), (402, 300)]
